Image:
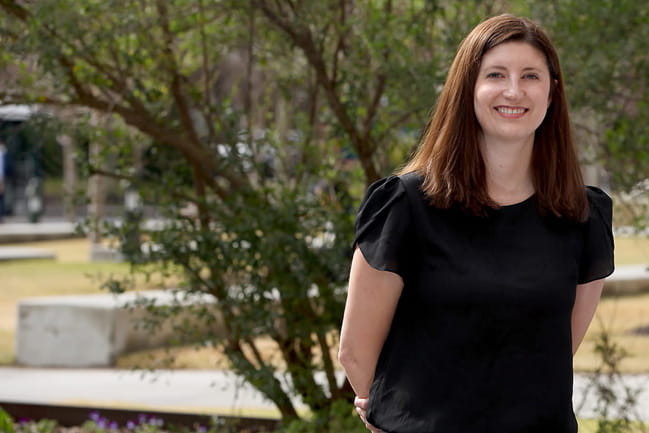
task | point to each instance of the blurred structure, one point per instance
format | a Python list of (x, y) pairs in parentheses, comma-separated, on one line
[(22, 171)]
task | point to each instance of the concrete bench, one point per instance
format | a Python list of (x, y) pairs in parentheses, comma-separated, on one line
[(90, 330), (25, 253), (11, 232), (628, 279)]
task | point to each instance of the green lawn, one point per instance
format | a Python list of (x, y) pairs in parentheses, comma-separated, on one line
[(590, 426), (631, 251)]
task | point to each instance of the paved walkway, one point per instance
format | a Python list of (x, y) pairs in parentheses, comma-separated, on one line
[(192, 391), (18, 231), (189, 391)]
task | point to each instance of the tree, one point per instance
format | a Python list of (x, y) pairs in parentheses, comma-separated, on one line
[(606, 69), (267, 119)]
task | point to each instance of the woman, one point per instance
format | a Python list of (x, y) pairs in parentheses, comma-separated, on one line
[(478, 269)]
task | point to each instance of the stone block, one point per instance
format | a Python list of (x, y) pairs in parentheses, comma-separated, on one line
[(628, 280), (91, 330)]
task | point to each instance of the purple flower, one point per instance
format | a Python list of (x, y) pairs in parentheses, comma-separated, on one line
[(130, 425), (95, 416), (113, 425), (141, 419), (158, 422)]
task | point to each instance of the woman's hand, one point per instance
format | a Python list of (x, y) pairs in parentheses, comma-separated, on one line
[(361, 406)]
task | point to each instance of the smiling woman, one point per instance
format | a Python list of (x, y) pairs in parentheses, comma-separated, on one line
[(478, 268)]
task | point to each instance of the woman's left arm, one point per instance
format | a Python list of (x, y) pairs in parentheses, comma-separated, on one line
[(583, 311)]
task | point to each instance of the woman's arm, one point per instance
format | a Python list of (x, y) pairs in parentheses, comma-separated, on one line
[(583, 311), (371, 301)]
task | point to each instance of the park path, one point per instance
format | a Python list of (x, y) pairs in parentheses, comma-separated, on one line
[(193, 391)]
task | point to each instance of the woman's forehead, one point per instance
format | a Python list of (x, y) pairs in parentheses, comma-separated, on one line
[(514, 54)]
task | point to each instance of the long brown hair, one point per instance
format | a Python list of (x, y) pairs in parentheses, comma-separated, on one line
[(448, 156)]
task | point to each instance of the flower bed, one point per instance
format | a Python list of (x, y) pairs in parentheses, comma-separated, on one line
[(97, 423)]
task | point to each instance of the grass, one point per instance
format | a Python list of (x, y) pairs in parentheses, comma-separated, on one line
[(72, 273), (619, 317), (590, 426), (631, 250)]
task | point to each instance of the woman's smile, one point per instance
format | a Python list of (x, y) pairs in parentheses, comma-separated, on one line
[(511, 112)]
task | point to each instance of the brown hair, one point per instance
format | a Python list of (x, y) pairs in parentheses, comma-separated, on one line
[(448, 156)]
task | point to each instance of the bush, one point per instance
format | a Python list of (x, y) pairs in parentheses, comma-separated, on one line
[(340, 417), (6, 422)]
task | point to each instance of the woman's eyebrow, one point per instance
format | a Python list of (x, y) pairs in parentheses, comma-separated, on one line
[(504, 68)]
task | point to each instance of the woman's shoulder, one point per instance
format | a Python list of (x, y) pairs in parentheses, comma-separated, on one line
[(394, 186), (601, 204), (597, 195), (413, 182), (412, 179), (382, 193), (394, 181), (598, 199)]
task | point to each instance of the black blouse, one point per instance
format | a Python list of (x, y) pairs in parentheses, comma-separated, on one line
[(481, 337)]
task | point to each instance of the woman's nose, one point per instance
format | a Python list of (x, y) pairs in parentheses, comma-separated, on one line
[(512, 90)]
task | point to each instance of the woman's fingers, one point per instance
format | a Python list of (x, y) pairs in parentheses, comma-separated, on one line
[(361, 406)]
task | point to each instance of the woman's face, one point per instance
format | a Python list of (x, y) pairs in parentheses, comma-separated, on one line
[(512, 92)]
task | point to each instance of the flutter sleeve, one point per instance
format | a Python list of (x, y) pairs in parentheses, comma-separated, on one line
[(382, 223), (597, 253)]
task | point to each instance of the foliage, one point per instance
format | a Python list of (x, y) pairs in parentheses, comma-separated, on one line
[(616, 402), (143, 424), (340, 417), (6, 422), (40, 426), (606, 69), (98, 423)]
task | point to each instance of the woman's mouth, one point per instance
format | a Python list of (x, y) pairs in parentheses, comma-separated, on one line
[(511, 111)]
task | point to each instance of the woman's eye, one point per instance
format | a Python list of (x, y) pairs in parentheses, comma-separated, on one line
[(494, 75), (531, 77)]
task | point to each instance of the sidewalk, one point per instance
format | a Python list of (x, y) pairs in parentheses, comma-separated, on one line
[(192, 391), (16, 230), (189, 391)]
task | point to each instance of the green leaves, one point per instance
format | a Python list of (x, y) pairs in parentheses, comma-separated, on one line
[(6, 422), (606, 70)]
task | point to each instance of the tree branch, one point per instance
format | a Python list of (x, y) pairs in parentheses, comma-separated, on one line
[(262, 379), (93, 170), (177, 78), (13, 8), (302, 38), (328, 364)]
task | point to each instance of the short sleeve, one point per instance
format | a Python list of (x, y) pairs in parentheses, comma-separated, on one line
[(381, 225), (597, 251)]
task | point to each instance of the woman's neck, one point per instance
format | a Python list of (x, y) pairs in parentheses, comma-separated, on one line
[(508, 168)]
